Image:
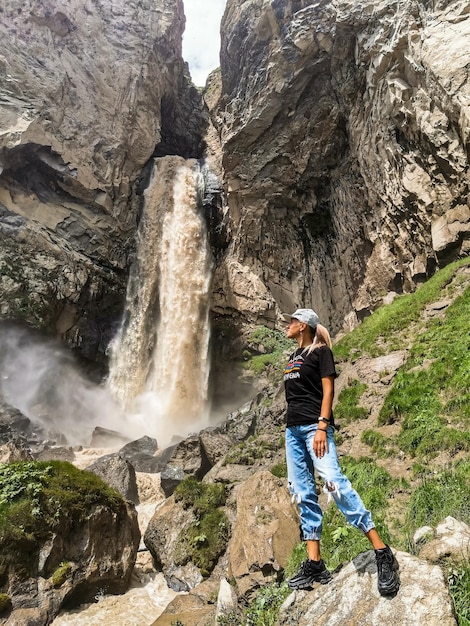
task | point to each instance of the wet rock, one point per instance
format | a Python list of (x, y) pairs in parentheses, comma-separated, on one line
[(144, 445), (170, 478), (118, 473), (105, 438), (12, 452)]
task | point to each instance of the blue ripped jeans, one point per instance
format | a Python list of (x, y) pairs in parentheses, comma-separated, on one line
[(301, 463)]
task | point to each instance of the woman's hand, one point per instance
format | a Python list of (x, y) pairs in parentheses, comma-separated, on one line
[(320, 443)]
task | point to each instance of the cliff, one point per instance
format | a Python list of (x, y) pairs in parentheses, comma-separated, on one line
[(89, 92), (344, 131)]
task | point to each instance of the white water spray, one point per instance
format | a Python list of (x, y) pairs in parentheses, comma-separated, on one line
[(159, 363)]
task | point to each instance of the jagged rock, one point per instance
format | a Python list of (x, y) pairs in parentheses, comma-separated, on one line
[(146, 445), (189, 455), (118, 473), (227, 601), (170, 478), (215, 445), (56, 453), (352, 597), (189, 610), (104, 437), (450, 540), (12, 452), (168, 521), (343, 130), (100, 553), (265, 532)]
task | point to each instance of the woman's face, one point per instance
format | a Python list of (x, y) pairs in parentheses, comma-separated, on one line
[(294, 327)]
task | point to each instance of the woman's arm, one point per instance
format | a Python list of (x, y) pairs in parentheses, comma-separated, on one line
[(320, 444)]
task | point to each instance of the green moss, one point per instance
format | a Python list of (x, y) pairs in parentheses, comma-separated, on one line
[(203, 497), (204, 541), (5, 603), (38, 499), (61, 574)]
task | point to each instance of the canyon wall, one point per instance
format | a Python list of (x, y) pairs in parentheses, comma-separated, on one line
[(344, 131), (89, 92), (339, 129)]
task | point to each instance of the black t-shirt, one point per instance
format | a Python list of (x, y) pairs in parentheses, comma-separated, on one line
[(302, 383)]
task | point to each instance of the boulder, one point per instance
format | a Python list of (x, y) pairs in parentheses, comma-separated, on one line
[(352, 597), (265, 531), (118, 473), (450, 540)]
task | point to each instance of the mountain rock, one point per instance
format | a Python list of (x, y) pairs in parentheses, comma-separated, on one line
[(265, 532), (352, 597), (343, 130), (89, 93)]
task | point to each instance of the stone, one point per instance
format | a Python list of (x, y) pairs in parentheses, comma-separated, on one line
[(265, 532), (450, 540), (227, 601), (118, 473), (352, 597)]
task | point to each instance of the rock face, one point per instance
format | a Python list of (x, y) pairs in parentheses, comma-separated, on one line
[(89, 93), (344, 136)]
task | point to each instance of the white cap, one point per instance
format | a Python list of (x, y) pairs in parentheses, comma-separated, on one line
[(307, 316)]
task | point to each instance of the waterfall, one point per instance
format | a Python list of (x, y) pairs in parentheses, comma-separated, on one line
[(159, 362)]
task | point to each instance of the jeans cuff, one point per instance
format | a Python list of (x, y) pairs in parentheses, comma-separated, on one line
[(311, 536)]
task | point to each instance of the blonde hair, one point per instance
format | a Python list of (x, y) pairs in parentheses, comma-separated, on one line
[(321, 338)]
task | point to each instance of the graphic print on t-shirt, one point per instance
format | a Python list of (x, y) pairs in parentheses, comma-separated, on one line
[(293, 367)]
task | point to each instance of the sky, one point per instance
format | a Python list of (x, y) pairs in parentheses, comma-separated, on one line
[(201, 39)]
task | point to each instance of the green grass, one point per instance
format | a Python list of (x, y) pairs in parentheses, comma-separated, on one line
[(348, 410), (458, 580), (381, 446), (38, 499), (376, 334), (265, 352), (440, 495), (430, 394), (203, 541)]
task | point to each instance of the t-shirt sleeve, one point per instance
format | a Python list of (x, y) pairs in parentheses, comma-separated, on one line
[(327, 363)]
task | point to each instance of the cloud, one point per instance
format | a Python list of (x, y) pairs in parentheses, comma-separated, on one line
[(201, 39)]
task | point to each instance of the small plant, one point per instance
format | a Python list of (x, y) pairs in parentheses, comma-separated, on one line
[(458, 580), (61, 574), (203, 497), (264, 608), (266, 352), (347, 409), (5, 603), (279, 470)]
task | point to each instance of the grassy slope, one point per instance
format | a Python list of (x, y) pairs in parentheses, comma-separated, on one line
[(424, 424)]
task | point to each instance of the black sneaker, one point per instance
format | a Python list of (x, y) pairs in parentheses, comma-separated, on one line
[(388, 581), (310, 572)]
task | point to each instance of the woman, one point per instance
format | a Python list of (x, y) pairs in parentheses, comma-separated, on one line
[(309, 386)]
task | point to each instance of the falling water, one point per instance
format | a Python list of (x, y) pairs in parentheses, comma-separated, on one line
[(159, 360)]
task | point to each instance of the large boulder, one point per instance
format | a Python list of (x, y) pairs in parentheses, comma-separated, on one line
[(265, 532), (83, 542), (118, 473), (352, 598)]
